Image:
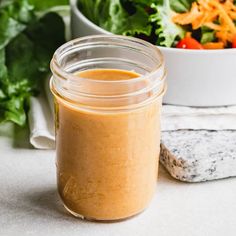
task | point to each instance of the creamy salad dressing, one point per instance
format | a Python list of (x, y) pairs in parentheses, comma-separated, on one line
[(107, 162)]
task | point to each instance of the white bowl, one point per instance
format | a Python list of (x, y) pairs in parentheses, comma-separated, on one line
[(195, 77)]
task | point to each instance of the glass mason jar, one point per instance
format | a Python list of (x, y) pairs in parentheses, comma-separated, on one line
[(107, 129)]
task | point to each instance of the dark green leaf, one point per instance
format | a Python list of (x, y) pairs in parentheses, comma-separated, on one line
[(46, 4), (114, 17), (88, 7), (23, 64), (13, 110), (148, 18), (47, 35), (138, 23), (19, 53), (181, 5), (12, 96), (207, 35), (13, 19)]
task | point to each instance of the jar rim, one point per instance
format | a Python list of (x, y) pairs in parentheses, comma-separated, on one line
[(80, 54), (56, 68)]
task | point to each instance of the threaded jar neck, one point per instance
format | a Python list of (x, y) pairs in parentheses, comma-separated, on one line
[(106, 52)]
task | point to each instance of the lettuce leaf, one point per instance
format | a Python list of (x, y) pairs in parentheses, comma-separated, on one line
[(207, 35), (120, 22), (14, 17), (24, 62), (41, 5), (13, 96), (91, 8), (148, 18), (181, 6), (113, 16), (167, 31)]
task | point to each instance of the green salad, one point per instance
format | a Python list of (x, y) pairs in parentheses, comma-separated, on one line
[(29, 34), (190, 24)]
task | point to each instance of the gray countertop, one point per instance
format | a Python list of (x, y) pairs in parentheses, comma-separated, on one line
[(29, 204)]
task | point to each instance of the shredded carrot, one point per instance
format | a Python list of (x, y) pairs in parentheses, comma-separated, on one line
[(212, 16), (200, 22), (188, 35), (224, 15), (217, 15), (230, 5), (225, 36), (188, 17), (204, 4), (214, 26), (215, 45), (232, 15)]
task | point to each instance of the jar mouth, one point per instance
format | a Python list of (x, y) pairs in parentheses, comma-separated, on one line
[(120, 41), (109, 52)]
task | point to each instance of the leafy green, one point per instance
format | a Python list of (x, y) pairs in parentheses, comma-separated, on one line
[(26, 47), (13, 95), (148, 18), (116, 16), (46, 4), (14, 17), (142, 2), (112, 16), (89, 7), (137, 23), (207, 35), (47, 34), (181, 5), (166, 31)]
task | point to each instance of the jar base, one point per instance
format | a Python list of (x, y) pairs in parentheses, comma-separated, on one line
[(81, 217)]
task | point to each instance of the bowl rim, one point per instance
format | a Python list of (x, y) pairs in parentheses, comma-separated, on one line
[(75, 9), (79, 14)]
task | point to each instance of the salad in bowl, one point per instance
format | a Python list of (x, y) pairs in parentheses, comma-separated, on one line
[(191, 24), (197, 76)]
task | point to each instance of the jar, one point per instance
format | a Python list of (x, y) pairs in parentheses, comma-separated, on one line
[(107, 130)]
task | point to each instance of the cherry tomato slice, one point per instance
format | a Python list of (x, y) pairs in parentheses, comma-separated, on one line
[(234, 42), (189, 43)]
